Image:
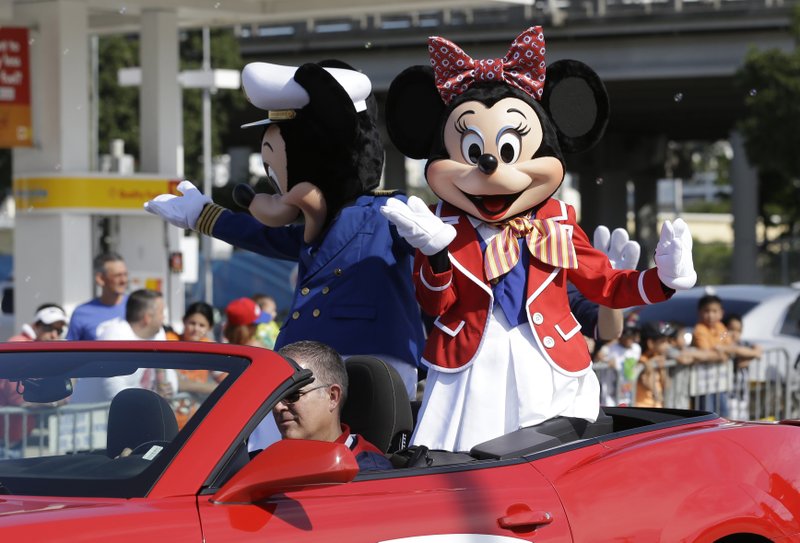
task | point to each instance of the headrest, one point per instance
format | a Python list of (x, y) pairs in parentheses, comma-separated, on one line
[(136, 416), (377, 405)]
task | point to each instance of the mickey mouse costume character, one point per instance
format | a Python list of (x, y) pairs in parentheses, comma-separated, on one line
[(323, 157), (497, 252)]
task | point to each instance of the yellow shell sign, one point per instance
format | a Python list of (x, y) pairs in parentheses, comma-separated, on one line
[(88, 192)]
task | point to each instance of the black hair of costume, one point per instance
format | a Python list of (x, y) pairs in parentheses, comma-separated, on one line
[(328, 143)]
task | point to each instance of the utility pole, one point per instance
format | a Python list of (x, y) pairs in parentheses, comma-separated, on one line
[(205, 241)]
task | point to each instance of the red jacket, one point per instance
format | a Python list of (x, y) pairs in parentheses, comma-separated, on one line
[(461, 297)]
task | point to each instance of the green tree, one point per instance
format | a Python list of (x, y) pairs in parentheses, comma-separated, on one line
[(224, 103), (770, 82), (119, 106)]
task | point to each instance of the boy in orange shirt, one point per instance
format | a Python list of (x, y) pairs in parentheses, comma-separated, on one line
[(711, 336)]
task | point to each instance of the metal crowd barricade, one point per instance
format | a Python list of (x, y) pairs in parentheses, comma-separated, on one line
[(771, 386), (52, 430), (57, 430), (767, 389), (18, 420), (78, 427)]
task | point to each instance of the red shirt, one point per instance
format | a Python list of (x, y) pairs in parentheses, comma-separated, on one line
[(368, 456), (10, 398)]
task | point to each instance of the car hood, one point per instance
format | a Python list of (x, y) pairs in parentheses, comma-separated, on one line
[(14, 506)]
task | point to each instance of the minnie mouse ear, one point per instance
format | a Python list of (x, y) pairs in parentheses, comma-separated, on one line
[(413, 110), (578, 104)]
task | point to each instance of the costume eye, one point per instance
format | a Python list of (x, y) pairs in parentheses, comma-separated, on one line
[(272, 180), (509, 144), (471, 146)]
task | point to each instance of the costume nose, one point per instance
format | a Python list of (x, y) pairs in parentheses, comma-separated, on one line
[(487, 163)]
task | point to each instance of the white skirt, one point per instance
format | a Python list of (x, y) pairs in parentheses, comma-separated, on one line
[(509, 386)]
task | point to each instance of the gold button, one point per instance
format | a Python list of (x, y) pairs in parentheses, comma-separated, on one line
[(337, 271), (315, 312), (296, 315), (304, 291), (325, 290)]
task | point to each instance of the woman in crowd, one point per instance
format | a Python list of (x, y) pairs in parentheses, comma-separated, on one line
[(242, 317), (194, 386)]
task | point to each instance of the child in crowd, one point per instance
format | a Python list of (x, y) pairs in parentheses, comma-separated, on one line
[(711, 336), (268, 330), (652, 380), (743, 353), (623, 355)]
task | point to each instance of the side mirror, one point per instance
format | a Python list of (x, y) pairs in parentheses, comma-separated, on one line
[(289, 465)]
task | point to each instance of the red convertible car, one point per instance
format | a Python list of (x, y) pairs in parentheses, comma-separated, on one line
[(636, 475)]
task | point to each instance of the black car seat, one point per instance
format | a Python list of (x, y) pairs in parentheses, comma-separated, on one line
[(377, 405), (137, 416)]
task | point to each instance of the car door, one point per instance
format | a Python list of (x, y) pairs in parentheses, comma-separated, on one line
[(487, 502)]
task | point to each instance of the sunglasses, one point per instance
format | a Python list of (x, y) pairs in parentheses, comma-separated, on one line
[(294, 397), (53, 328)]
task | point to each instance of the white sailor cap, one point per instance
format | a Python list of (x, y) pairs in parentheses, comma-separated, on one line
[(272, 87)]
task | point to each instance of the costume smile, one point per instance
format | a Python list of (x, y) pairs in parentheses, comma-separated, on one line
[(492, 206)]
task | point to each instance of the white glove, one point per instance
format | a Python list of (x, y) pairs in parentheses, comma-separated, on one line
[(181, 211), (674, 256), (622, 252), (418, 225)]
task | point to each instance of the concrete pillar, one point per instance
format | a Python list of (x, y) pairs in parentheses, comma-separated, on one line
[(52, 252), (744, 200), (161, 136), (161, 106), (603, 199), (646, 206)]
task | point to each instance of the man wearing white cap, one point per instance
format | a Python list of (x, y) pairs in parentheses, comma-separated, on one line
[(48, 325)]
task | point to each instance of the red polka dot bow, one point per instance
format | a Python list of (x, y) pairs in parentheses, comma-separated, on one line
[(523, 66)]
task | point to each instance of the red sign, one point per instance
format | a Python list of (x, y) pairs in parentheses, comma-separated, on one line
[(15, 88)]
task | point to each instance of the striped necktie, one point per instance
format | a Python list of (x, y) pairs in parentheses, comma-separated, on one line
[(546, 239)]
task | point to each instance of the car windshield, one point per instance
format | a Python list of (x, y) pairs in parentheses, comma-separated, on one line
[(100, 423)]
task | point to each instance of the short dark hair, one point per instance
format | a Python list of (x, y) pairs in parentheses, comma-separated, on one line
[(326, 364), (99, 264), (139, 303), (201, 308), (708, 299), (730, 317)]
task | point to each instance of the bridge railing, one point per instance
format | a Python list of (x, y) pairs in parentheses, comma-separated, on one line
[(553, 13)]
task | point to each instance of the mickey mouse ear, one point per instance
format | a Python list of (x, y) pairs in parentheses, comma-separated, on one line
[(272, 87)]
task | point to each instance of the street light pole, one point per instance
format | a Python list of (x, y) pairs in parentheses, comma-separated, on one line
[(208, 280)]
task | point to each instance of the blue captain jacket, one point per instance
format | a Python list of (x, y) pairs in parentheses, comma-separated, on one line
[(354, 290)]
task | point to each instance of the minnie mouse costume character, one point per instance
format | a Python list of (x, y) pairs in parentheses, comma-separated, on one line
[(323, 157), (495, 255)]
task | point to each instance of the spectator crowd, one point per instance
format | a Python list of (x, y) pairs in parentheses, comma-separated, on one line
[(635, 367)]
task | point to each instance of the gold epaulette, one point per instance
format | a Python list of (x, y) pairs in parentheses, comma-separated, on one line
[(208, 218), (384, 192)]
